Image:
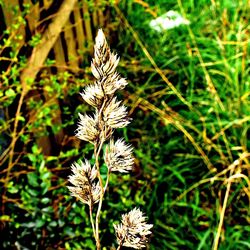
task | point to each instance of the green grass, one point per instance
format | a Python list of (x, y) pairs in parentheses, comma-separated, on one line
[(182, 144)]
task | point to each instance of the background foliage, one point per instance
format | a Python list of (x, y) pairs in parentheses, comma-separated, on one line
[(188, 95)]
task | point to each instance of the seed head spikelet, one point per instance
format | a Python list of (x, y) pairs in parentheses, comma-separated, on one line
[(118, 156), (87, 183), (112, 83), (93, 95), (87, 128), (104, 62), (133, 230), (115, 114)]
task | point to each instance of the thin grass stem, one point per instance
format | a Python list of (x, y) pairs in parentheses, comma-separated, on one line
[(97, 153), (92, 221), (222, 215)]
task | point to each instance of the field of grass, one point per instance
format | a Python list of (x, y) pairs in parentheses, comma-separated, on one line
[(190, 102), (189, 97)]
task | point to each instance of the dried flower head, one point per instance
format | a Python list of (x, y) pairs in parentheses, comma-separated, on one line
[(85, 188), (104, 62), (93, 95), (133, 231), (115, 115), (87, 128), (87, 182), (118, 156), (112, 83)]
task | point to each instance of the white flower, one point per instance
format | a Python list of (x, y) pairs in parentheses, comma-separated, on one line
[(83, 180), (118, 156), (133, 231), (169, 20), (87, 128)]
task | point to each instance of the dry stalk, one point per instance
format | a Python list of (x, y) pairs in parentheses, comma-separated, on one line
[(88, 185)]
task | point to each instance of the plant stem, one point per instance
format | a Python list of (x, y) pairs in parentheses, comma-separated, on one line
[(107, 181), (97, 151), (100, 206), (98, 245), (13, 142), (91, 220), (217, 238), (99, 211), (121, 243)]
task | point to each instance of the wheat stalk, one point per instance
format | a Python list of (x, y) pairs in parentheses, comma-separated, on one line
[(88, 185)]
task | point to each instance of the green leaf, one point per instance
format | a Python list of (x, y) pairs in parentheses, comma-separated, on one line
[(33, 179), (13, 189), (45, 186), (32, 158), (33, 192), (40, 223), (21, 118), (29, 224), (35, 149), (45, 200), (5, 218), (45, 176), (53, 224), (77, 220), (10, 92)]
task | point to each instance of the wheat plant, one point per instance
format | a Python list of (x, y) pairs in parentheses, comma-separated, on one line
[(87, 183)]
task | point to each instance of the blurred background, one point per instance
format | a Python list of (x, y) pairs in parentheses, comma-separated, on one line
[(187, 64)]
